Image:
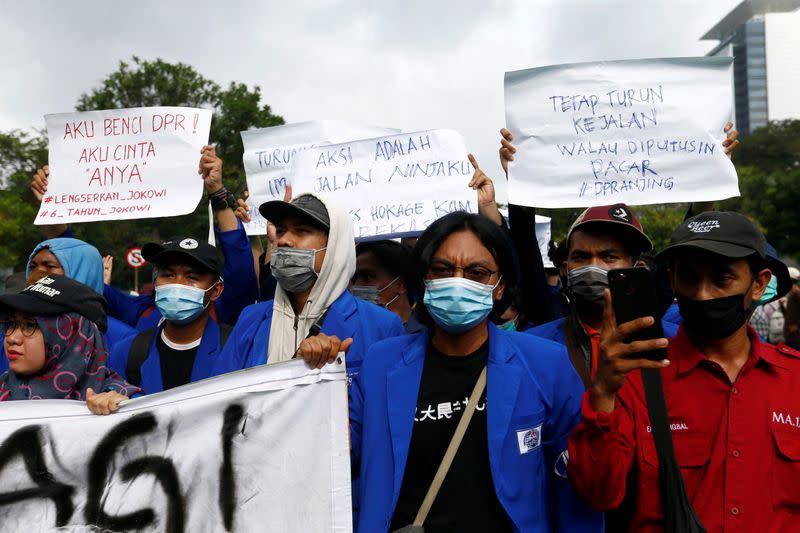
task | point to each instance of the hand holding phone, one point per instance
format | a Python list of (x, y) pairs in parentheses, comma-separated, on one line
[(630, 337)]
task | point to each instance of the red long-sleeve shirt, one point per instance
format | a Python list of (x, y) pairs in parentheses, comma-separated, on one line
[(738, 444)]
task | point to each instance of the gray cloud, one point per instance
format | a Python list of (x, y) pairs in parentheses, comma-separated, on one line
[(415, 65)]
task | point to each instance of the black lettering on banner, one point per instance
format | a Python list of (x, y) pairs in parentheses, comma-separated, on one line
[(233, 417), (162, 468), (26, 442)]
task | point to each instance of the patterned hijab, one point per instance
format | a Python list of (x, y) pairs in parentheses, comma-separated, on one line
[(75, 360)]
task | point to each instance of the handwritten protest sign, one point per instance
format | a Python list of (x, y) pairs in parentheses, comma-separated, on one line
[(268, 155), (241, 452), (124, 163), (641, 132), (392, 186)]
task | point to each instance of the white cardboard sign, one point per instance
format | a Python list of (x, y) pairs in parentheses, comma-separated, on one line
[(643, 131), (392, 186), (237, 453), (268, 155), (124, 164)]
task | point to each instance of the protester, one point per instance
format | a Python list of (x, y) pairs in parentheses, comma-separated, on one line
[(523, 302), (187, 342), (55, 348), (600, 239), (406, 403), (731, 399), (77, 260), (384, 276), (313, 316), (242, 285), (768, 318), (791, 318)]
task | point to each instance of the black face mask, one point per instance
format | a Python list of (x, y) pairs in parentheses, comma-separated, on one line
[(717, 318)]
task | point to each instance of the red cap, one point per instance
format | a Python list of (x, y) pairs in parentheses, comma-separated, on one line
[(619, 215)]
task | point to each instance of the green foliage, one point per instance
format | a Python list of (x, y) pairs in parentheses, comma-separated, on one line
[(21, 154), (138, 83)]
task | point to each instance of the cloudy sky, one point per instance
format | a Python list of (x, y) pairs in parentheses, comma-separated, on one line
[(415, 64)]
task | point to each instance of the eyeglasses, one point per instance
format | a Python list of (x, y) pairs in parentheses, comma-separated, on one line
[(480, 274), (27, 326)]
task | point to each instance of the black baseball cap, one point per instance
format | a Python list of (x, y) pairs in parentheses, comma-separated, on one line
[(183, 247), (305, 206), (730, 235), (54, 295)]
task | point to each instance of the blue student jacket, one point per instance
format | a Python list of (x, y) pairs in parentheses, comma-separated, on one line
[(116, 332), (554, 330), (530, 384), (348, 317), (204, 362), (241, 287)]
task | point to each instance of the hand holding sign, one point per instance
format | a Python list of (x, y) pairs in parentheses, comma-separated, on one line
[(507, 150), (210, 168)]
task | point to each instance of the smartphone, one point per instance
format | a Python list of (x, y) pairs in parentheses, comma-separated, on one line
[(633, 295)]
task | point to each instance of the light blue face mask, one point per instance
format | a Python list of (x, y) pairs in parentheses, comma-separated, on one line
[(510, 325), (458, 304), (770, 292), (181, 303)]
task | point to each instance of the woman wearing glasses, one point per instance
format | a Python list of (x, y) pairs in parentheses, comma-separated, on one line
[(54, 346), (508, 471)]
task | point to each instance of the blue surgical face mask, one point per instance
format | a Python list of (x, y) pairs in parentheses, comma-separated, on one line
[(770, 292), (181, 303), (458, 304), (509, 325)]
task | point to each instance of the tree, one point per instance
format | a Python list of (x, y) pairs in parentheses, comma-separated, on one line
[(138, 83), (20, 155)]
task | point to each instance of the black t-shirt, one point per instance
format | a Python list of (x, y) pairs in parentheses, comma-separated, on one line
[(467, 500), (176, 365)]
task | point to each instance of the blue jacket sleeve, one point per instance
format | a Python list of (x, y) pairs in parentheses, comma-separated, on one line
[(118, 358), (570, 512), (125, 307), (241, 285), (235, 354)]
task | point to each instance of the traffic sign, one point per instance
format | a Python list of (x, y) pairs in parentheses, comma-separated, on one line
[(134, 258)]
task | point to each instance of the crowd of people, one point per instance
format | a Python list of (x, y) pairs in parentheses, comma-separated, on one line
[(486, 392)]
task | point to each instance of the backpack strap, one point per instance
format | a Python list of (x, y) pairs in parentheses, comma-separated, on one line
[(224, 332), (137, 355), (316, 327), (679, 515)]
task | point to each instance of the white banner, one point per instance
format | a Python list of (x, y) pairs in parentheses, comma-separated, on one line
[(262, 450), (123, 164), (643, 131), (268, 155), (392, 186)]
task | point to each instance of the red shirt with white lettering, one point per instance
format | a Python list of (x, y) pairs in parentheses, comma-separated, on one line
[(738, 444)]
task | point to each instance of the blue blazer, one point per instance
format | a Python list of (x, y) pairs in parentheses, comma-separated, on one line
[(348, 316), (554, 330), (530, 384), (204, 362)]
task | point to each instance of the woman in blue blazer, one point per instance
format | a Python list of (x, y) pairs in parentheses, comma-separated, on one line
[(509, 473)]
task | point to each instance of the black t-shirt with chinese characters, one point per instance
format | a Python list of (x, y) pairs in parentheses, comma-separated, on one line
[(467, 500)]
